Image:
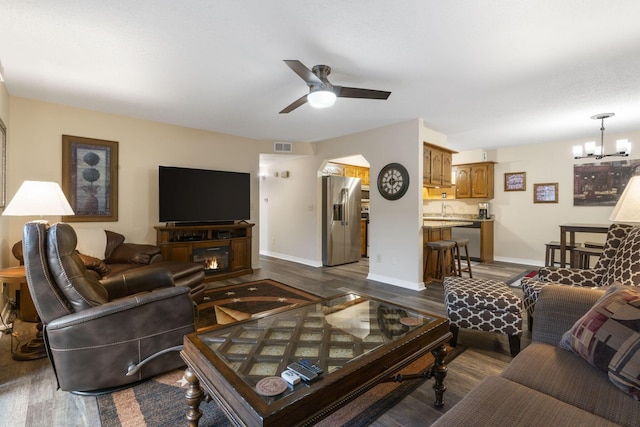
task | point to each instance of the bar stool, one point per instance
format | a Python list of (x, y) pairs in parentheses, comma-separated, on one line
[(463, 243), (596, 245), (582, 257), (444, 249), (550, 253)]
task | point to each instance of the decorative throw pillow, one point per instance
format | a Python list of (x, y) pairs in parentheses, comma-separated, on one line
[(608, 337)]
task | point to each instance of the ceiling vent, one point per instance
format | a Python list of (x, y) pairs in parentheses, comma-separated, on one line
[(282, 147)]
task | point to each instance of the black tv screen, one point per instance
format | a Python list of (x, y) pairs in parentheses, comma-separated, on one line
[(203, 196)]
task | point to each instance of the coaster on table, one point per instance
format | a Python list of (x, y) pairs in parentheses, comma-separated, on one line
[(271, 386), (409, 321)]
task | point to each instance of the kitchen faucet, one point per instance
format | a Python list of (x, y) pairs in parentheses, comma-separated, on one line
[(443, 212)]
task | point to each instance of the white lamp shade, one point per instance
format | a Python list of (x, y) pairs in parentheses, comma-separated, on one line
[(577, 151), (622, 146), (38, 198), (321, 98), (628, 207)]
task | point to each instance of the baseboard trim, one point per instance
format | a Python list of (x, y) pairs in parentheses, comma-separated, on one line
[(285, 257)]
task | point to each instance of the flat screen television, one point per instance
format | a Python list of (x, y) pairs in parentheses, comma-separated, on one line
[(203, 196)]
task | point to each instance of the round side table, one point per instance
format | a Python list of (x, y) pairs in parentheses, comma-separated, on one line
[(35, 348)]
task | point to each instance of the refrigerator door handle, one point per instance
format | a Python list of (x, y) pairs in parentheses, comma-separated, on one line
[(345, 200)]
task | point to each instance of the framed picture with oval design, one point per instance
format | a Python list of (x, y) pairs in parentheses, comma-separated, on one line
[(90, 178)]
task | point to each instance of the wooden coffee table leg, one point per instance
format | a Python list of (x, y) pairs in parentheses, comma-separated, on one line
[(439, 371), (194, 396)]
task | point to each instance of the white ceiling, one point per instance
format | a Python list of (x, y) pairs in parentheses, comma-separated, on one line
[(487, 73)]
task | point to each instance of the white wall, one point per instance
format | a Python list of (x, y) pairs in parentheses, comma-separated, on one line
[(522, 227), (36, 130), (5, 247), (293, 208), (294, 204), (290, 211)]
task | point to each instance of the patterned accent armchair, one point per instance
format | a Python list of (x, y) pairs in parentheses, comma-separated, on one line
[(619, 262)]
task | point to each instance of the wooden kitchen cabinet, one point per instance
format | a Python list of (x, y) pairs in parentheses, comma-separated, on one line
[(437, 166), (474, 181), (357, 172)]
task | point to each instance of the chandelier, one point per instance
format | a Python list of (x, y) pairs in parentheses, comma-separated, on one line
[(593, 151)]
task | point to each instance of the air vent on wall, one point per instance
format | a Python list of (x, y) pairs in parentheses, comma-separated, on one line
[(282, 147)]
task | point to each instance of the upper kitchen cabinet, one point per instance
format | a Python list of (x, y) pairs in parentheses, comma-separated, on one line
[(437, 166), (352, 171), (357, 172), (474, 181)]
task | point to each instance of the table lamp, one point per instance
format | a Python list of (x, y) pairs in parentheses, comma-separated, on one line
[(628, 207), (37, 198)]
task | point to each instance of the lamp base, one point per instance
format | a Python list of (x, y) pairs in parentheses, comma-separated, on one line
[(32, 350)]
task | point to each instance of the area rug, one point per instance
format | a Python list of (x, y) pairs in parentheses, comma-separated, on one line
[(160, 402), (233, 303), (517, 282)]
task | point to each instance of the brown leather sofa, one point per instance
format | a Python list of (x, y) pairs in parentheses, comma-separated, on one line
[(102, 334), (121, 256)]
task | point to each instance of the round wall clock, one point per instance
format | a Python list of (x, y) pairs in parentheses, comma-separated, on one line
[(393, 181)]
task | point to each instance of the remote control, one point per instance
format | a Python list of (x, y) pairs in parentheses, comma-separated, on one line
[(304, 372), (315, 368), (290, 377)]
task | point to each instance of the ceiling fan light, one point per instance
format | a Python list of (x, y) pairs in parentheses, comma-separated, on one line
[(321, 98)]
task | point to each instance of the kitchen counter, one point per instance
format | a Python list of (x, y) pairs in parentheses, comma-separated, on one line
[(431, 224), (461, 217), (437, 227)]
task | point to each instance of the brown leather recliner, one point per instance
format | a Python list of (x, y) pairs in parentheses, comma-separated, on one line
[(102, 335)]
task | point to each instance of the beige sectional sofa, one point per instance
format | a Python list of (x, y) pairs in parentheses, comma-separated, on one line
[(546, 385)]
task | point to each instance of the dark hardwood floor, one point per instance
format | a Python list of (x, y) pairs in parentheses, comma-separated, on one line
[(28, 395)]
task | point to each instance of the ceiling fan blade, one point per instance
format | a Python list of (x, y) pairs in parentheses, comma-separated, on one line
[(295, 104), (304, 73), (354, 92)]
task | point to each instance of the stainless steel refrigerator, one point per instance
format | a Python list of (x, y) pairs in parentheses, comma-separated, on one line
[(340, 220)]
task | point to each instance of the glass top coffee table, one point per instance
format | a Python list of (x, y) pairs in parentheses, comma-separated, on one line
[(357, 341)]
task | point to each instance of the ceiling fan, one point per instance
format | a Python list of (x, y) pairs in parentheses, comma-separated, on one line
[(323, 94)]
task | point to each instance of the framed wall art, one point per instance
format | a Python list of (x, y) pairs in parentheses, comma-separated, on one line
[(545, 193), (515, 181), (90, 178)]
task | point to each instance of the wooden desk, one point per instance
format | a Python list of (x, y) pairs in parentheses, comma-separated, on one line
[(572, 229)]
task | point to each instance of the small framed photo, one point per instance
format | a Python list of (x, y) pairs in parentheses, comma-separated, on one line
[(90, 178), (515, 181), (545, 193)]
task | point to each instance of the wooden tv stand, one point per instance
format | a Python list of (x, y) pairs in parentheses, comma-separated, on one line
[(178, 243)]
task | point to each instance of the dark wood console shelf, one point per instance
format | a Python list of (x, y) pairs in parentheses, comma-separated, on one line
[(179, 242)]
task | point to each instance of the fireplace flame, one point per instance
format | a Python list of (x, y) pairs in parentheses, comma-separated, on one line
[(211, 263)]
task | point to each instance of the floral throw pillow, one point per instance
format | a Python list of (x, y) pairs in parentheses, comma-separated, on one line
[(608, 337)]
